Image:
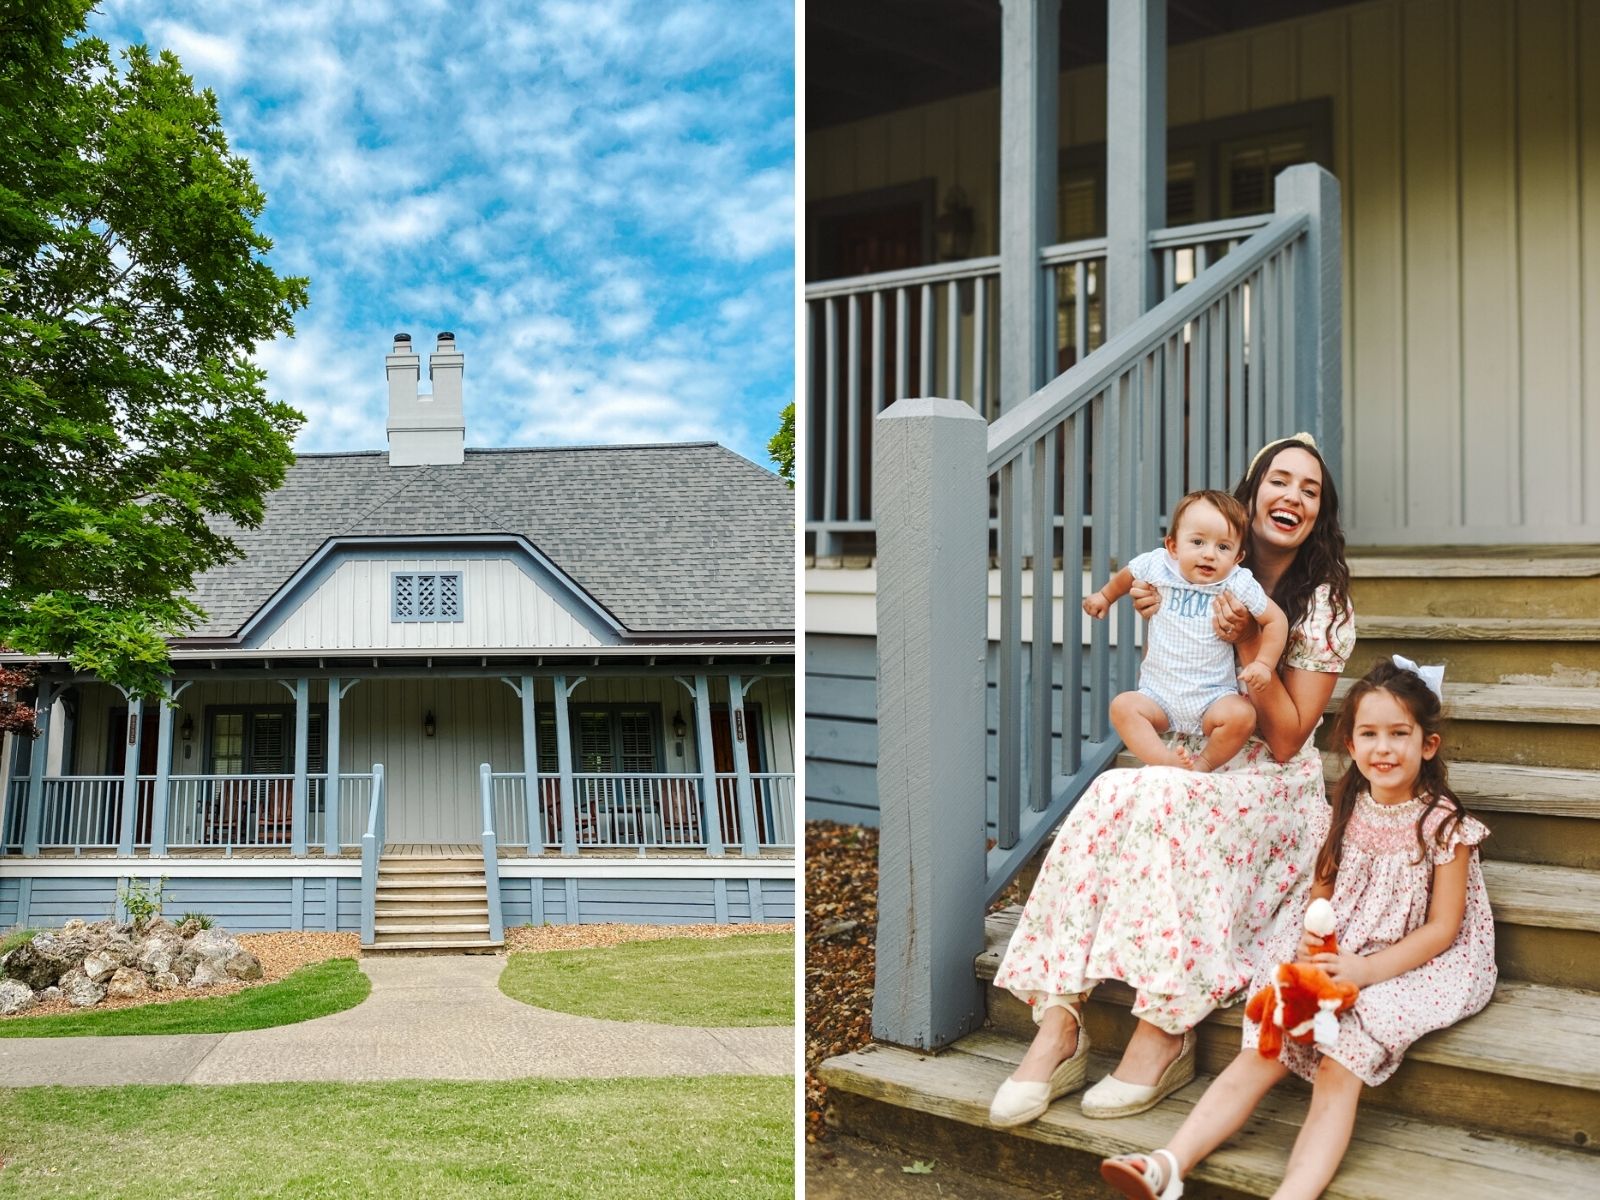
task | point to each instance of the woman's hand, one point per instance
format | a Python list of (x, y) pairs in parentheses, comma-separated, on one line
[(1345, 967), (1310, 944), (1232, 620), (1146, 598)]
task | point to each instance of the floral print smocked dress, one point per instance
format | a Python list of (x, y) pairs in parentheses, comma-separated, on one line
[(1172, 881), (1382, 892)]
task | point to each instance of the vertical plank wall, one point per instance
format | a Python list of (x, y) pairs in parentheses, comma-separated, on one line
[(1466, 135)]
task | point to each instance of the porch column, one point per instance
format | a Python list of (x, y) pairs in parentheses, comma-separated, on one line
[(1136, 155), (1318, 387), (161, 801), (37, 753), (8, 757), (302, 745), (530, 768), (711, 813), (130, 776), (750, 838), (569, 802), (330, 790), (1030, 32)]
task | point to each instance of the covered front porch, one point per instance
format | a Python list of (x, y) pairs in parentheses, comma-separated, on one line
[(607, 759)]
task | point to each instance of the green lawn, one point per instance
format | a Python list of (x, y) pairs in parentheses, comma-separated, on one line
[(745, 980), (592, 1139), (313, 991)]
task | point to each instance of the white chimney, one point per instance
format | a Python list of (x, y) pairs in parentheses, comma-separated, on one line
[(425, 430)]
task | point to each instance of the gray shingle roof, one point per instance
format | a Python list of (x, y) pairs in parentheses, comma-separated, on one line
[(670, 539)]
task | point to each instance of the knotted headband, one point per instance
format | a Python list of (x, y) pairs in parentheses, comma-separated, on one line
[(1305, 439)]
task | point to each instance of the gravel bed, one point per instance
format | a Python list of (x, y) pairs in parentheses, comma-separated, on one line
[(539, 938)]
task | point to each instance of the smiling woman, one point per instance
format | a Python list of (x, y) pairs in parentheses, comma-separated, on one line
[(1171, 881)]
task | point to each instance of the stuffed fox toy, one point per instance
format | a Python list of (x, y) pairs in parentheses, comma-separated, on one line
[(1302, 1003)]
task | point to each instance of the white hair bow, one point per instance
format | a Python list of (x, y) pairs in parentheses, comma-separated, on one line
[(1433, 676)]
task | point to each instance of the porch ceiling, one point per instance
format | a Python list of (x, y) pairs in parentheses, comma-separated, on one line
[(866, 57)]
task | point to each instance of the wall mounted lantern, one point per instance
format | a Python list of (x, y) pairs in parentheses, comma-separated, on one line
[(680, 727), (428, 726), (186, 729), (955, 226)]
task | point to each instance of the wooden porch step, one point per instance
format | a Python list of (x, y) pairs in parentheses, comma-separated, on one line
[(430, 866), (1479, 629), (381, 930), (477, 907), (1471, 562), (432, 880), (412, 893), (1519, 702), (937, 1106), (411, 943)]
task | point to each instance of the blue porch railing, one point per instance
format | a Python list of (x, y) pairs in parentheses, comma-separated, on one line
[(371, 849), (1245, 353), (491, 853), (637, 811), (203, 812)]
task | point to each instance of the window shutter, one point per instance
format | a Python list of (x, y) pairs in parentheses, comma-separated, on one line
[(268, 751), (594, 742), (545, 734), (316, 746), (638, 742)]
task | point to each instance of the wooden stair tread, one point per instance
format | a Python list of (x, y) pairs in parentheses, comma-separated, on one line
[(429, 866), (1471, 563), (1481, 629), (1519, 702), (1536, 894), (1528, 1030), (1495, 787), (412, 892), (1388, 1154), (382, 927)]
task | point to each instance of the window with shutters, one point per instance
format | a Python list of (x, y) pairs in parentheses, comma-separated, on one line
[(425, 596), (260, 740), (607, 739)]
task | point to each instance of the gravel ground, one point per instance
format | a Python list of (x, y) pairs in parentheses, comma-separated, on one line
[(539, 938), (281, 954)]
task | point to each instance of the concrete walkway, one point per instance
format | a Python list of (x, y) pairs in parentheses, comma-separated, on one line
[(427, 1018)]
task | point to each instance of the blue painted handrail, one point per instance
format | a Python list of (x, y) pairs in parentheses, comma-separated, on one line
[(491, 853), (371, 848)]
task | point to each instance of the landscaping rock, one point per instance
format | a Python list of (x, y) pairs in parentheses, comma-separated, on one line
[(208, 973), (156, 949), (101, 965), (37, 965), (15, 997), (127, 983), (189, 928), (49, 995), (183, 966), (244, 966), (163, 981), (80, 990)]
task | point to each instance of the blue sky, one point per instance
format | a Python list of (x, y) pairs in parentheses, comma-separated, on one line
[(596, 197)]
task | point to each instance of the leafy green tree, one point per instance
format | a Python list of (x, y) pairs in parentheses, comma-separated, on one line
[(781, 447), (133, 290)]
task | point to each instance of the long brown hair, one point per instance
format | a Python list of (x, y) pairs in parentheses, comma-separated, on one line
[(1433, 785), (1320, 559)]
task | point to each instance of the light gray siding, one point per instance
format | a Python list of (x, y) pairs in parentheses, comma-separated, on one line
[(841, 729), (52, 902), (1466, 140), (502, 606), (646, 901), (9, 889)]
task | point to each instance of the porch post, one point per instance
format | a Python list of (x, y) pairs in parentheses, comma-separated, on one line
[(33, 817), (1318, 387), (569, 802), (302, 744), (929, 495), (161, 801), (1136, 155), (8, 756), (330, 789), (130, 776), (1030, 32), (711, 810), (750, 833), (530, 768)]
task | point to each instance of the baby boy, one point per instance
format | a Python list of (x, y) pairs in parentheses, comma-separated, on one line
[(1186, 684)]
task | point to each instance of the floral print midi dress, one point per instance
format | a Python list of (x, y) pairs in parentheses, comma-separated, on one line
[(1171, 880), (1381, 894)]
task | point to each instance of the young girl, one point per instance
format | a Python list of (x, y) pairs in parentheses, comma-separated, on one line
[(1413, 926)]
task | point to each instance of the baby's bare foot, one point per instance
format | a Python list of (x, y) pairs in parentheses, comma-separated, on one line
[(1193, 762)]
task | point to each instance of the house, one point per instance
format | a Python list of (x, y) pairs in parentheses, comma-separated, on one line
[(446, 689), (1068, 259)]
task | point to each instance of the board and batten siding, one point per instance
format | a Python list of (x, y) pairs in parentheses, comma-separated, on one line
[(432, 783), (502, 605), (645, 901), (1466, 139)]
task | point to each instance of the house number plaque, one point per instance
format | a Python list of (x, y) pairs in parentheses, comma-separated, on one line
[(133, 729), (738, 724)]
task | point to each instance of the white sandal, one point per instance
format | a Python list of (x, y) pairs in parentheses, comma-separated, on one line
[(1111, 1097), (1152, 1181), (1017, 1102)]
